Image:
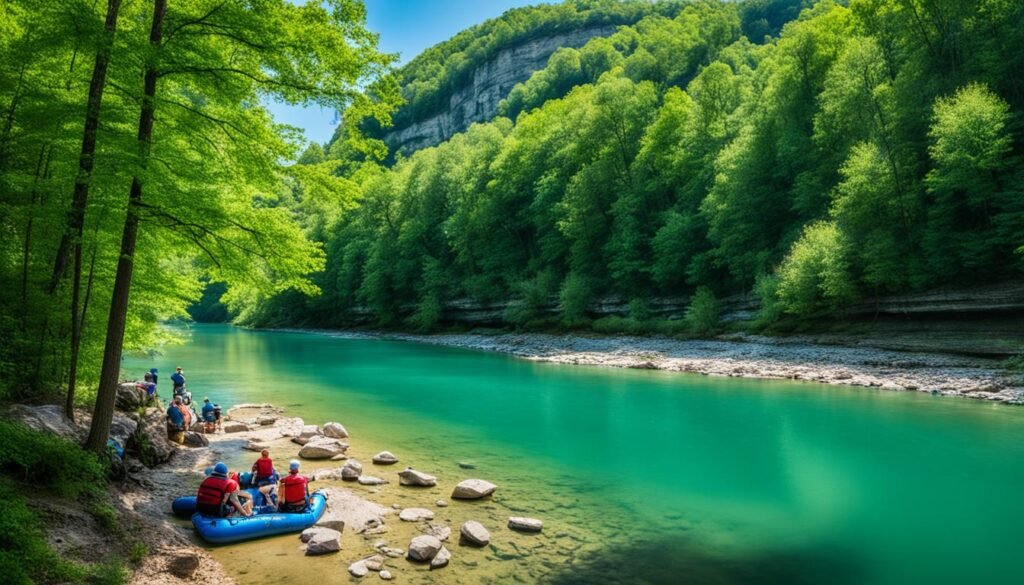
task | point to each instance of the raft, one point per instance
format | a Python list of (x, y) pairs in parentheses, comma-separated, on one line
[(264, 522)]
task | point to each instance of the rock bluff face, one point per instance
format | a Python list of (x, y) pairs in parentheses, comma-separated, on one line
[(492, 81)]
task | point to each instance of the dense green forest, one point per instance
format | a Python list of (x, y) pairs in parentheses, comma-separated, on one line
[(868, 149), (137, 163)]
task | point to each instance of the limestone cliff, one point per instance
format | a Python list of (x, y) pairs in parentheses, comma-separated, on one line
[(491, 83)]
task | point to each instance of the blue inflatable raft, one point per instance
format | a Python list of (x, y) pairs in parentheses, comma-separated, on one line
[(265, 521)]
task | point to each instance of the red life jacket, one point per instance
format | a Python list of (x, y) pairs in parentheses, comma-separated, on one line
[(264, 468), (211, 494), (295, 489)]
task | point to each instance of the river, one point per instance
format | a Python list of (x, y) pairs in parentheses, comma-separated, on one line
[(639, 476)]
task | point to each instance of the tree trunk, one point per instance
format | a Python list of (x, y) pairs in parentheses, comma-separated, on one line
[(76, 215), (103, 413)]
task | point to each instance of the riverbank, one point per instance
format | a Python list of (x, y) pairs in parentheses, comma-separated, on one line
[(748, 356)]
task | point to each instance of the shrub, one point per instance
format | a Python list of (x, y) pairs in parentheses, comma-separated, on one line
[(575, 298), (702, 314), (51, 462)]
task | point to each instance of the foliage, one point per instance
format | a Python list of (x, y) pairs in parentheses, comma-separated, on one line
[(218, 202), (814, 274), (702, 314), (49, 462)]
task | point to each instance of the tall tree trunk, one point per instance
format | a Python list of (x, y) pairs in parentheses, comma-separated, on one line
[(103, 413), (72, 237), (76, 215)]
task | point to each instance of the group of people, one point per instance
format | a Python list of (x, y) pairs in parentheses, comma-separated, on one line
[(221, 494), (180, 415)]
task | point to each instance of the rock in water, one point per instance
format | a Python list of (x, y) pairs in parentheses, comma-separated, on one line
[(441, 504), (441, 531), (322, 448), (254, 446), (416, 514), (322, 541), (385, 458), (358, 569), (386, 575), (525, 524), (440, 559), (352, 470), (335, 430), (412, 477), (423, 548), (473, 489), (367, 480), (474, 533)]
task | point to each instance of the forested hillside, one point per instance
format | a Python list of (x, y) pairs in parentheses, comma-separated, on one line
[(868, 149)]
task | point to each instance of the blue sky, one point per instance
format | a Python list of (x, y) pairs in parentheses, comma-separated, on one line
[(406, 27)]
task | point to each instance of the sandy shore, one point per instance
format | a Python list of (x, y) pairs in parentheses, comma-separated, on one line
[(745, 356)]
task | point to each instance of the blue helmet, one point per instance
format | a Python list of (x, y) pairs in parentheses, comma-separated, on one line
[(293, 465), (220, 469)]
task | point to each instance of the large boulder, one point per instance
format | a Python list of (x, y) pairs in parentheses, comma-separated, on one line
[(416, 478), (321, 541), (47, 418), (441, 559), (351, 470), (423, 548), (150, 439), (473, 489), (322, 448), (130, 398), (196, 440), (416, 514), (335, 431), (385, 458), (474, 533), (525, 524)]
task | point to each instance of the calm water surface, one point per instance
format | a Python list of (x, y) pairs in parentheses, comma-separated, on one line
[(642, 477)]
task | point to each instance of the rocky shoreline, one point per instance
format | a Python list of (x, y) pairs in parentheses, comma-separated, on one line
[(392, 540), (746, 356)]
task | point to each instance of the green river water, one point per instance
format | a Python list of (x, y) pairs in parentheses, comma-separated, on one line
[(639, 476)]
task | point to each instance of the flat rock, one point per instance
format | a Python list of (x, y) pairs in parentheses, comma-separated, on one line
[(416, 478), (525, 524), (265, 420), (423, 548), (416, 514), (369, 480), (393, 553), (309, 533), (358, 569), (255, 446), (474, 533), (322, 541), (339, 457), (473, 489), (441, 531), (235, 427), (346, 506), (385, 458), (322, 448), (352, 470), (374, 563), (334, 430), (441, 559)]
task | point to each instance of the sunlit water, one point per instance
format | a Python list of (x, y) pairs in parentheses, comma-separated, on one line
[(639, 476)]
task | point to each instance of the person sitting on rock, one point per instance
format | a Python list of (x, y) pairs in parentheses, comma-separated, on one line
[(186, 413), (293, 492), (175, 422), (219, 496), (264, 476), (209, 419)]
